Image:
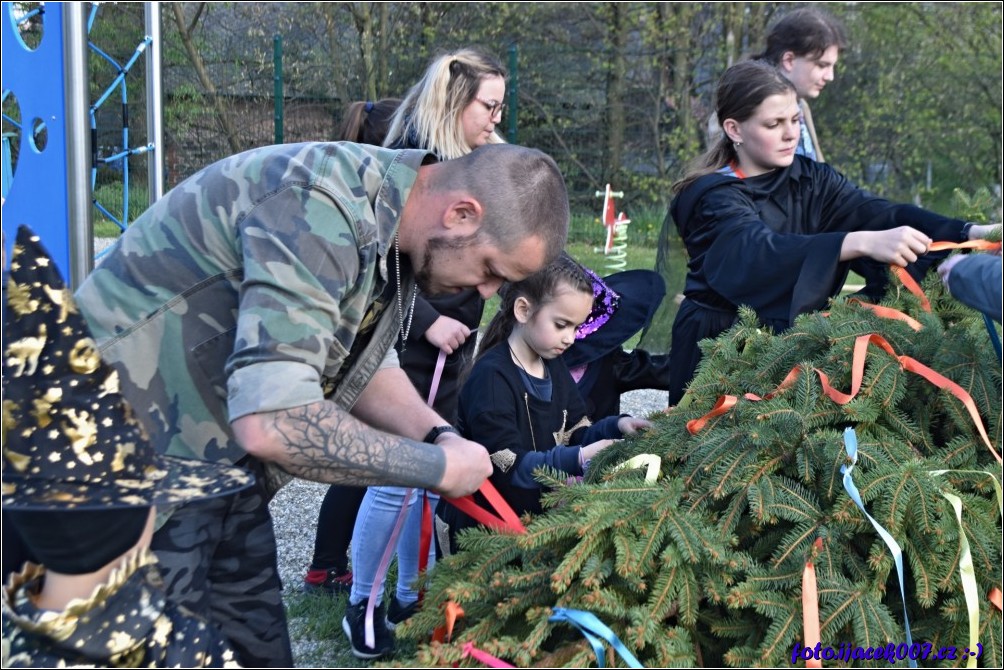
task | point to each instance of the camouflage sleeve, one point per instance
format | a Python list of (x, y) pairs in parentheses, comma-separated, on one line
[(301, 261)]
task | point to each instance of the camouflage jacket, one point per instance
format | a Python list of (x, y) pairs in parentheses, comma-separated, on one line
[(126, 623), (243, 289)]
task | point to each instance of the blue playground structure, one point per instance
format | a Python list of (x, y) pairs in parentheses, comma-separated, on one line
[(49, 185)]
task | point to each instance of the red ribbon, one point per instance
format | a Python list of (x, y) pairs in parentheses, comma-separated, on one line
[(425, 538), (506, 519)]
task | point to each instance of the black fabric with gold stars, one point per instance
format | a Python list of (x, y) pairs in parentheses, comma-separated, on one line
[(70, 438), (125, 623)]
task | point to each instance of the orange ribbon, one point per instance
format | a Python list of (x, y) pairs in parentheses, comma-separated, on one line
[(995, 597), (506, 519), (444, 633), (725, 403), (810, 607), (911, 284), (979, 245), (889, 313)]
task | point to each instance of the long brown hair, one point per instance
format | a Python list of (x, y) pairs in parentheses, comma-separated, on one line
[(367, 122), (806, 32), (741, 90)]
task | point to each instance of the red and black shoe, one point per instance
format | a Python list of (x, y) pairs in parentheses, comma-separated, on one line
[(331, 581)]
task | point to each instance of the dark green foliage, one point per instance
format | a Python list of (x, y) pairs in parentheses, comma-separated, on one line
[(705, 567)]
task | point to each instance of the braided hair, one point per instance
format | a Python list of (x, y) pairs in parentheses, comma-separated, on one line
[(539, 289)]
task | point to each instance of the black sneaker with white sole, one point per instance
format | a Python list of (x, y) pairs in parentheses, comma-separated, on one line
[(354, 625), (398, 613)]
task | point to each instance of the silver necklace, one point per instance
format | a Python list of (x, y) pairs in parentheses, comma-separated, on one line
[(405, 321), (526, 397)]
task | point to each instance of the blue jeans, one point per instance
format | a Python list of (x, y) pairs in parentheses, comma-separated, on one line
[(371, 535)]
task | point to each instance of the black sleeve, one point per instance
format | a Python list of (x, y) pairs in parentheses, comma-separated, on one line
[(780, 275), (422, 319), (849, 208), (638, 369)]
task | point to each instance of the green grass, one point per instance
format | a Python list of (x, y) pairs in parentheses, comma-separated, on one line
[(315, 626), (316, 618), (111, 198)]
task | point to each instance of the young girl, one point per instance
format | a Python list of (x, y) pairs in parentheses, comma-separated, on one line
[(451, 111), (778, 232), (520, 400)]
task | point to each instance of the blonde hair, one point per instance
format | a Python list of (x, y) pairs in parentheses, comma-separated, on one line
[(429, 116)]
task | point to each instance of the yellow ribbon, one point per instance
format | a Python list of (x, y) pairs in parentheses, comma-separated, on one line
[(967, 573), (650, 461)]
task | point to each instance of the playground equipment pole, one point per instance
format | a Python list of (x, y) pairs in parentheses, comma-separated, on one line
[(154, 108), (78, 143)]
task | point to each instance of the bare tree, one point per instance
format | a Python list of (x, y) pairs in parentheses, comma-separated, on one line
[(186, 31)]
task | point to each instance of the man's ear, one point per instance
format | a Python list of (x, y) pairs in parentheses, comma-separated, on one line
[(787, 61), (465, 214)]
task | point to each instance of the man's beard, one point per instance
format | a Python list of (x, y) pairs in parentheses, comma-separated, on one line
[(435, 249)]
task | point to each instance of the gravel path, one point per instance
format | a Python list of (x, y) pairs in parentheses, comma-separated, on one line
[(294, 510)]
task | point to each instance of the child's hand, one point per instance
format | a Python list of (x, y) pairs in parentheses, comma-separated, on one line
[(447, 334), (629, 425), (590, 450)]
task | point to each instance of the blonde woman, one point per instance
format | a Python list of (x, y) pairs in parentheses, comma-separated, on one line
[(453, 109)]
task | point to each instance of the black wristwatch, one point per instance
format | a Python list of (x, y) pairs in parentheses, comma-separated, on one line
[(431, 436), (964, 233)]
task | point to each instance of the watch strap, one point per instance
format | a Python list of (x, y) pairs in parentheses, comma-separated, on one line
[(431, 436)]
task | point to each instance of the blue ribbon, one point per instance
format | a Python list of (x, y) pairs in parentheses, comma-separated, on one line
[(851, 447), (993, 335), (595, 631)]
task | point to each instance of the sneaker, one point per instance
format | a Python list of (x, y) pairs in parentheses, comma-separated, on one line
[(398, 613), (354, 625), (332, 581)]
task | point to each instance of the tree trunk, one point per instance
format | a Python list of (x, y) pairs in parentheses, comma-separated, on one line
[(362, 15), (616, 89), (383, 50), (185, 31)]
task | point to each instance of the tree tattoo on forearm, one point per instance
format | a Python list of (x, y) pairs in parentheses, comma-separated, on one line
[(324, 443)]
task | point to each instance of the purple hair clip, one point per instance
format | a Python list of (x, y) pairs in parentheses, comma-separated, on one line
[(605, 302)]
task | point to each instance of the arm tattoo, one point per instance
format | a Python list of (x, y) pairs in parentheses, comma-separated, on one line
[(324, 443)]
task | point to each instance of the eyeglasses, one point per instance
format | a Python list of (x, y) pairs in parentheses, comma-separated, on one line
[(494, 107)]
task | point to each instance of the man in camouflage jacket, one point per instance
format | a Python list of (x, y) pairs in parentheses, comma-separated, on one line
[(253, 312)]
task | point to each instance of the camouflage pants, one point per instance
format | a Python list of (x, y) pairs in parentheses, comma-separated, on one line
[(218, 559)]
